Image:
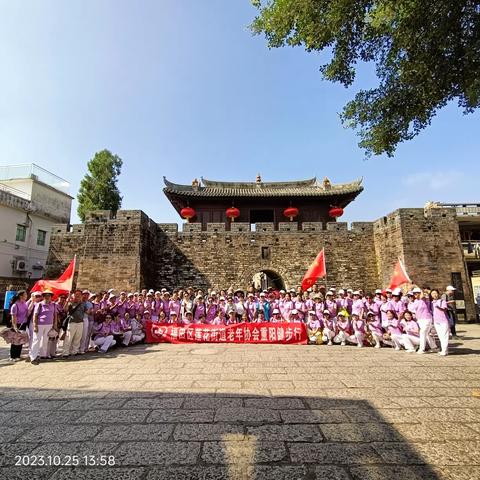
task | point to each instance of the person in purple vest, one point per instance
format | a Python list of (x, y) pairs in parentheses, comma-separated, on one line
[(44, 319), (19, 311), (422, 308)]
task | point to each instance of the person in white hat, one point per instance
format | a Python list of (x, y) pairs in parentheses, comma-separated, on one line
[(422, 309), (286, 307), (374, 326), (276, 316), (440, 320), (331, 304), (44, 319), (294, 317), (314, 329), (329, 328), (344, 329), (449, 297), (385, 306), (397, 303)]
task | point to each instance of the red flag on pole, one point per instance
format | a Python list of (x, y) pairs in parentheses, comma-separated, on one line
[(399, 276), (62, 284), (316, 270)]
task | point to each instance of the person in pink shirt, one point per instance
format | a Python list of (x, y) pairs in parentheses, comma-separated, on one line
[(232, 317), (422, 308), (314, 330), (287, 307), (276, 316), (385, 306), (188, 318), (344, 330), (397, 304), (331, 304), (157, 306), (299, 306), (440, 320), (358, 307), (329, 328), (371, 306), (294, 317), (394, 328), (374, 325), (251, 306), (411, 336), (102, 335), (211, 312), (359, 330)]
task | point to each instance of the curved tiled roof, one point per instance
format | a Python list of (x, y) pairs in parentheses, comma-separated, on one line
[(301, 188)]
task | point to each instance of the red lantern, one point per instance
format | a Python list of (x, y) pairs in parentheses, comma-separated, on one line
[(335, 212), (291, 212), (187, 213), (232, 213)]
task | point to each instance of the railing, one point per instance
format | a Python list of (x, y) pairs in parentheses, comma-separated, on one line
[(30, 170), (471, 249), (464, 209), (15, 191)]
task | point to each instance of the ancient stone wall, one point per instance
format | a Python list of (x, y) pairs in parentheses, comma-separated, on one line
[(131, 251)]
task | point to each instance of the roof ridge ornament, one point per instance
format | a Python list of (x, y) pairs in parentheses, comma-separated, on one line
[(259, 178), (327, 184), (195, 184)]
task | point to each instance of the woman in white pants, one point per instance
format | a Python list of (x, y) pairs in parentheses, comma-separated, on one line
[(344, 330), (394, 328), (440, 320), (328, 328), (423, 313), (44, 319), (411, 336), (359, 330), (375, 326), (103, 337)]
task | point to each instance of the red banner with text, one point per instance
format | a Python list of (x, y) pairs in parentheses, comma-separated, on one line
[(283, 333)]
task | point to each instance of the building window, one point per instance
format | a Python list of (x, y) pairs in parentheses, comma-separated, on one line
[(41, 237), (265, 253), (21, 233)]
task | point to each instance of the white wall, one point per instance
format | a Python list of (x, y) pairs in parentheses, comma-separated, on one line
[(28, 250)]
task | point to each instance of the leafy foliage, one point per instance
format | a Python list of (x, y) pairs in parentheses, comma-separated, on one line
[(426, 53), (98, 189)]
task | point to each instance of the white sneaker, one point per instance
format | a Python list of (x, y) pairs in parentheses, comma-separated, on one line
[(442, 354), (397, 348), (11, 360), (434, 350), (330, 343), (377, 345), (343, 344), (412, 350), (420, 351)]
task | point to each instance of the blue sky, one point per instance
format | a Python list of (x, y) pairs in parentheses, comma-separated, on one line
[(181, 88)]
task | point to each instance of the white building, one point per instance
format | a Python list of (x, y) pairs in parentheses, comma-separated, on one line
[(32, 200)]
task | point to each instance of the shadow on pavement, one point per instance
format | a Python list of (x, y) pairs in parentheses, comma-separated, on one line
[(194, 436)]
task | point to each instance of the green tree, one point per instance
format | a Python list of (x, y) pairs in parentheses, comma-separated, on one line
[(426, 53), (98, 189)]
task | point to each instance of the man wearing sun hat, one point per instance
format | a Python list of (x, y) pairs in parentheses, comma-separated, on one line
[(76, 310), (44, 319)]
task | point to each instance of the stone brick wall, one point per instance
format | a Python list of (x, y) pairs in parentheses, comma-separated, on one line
[(131, 251)]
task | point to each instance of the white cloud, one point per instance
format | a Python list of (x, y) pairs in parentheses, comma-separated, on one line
[(433, 180)]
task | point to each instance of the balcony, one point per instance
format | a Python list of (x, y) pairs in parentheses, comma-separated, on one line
[(34, 172), (471, 250), (464, 209)]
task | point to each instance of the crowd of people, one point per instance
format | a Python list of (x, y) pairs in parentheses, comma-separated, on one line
[(85, 321)]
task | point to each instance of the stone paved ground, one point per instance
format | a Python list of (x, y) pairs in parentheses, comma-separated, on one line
[(255, 412)]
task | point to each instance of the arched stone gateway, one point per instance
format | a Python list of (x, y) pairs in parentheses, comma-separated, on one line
[(268, 278)]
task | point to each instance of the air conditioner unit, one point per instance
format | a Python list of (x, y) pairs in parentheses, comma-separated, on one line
[(21, 266)]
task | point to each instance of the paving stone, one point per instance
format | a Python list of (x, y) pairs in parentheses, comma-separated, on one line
[(437, 431), (153, 403), (246, 415), (33, 405), (113, 416), (180, 416), (365, 432), (93, 404), (30, 473), (290, 433), (135, 432), (75, 448), (8, 451), (396, 472), (207, 431), (260, 472), (329, 472), (189, 473), (341, 453), (209, 403), (99, 473), (157, 453), (8, 434), (37, 418), (243, 452), (458, 472), (60, 433), (313, 416), (275, 403)]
